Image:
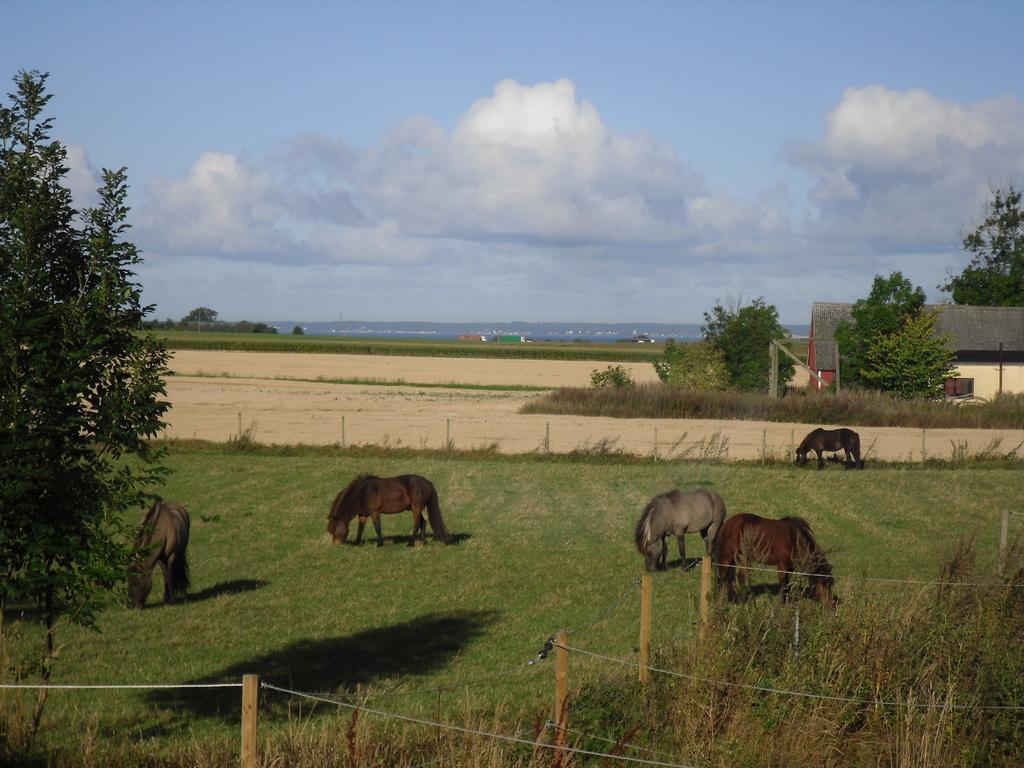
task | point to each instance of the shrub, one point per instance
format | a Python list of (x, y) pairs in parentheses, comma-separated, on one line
[(613, 376)]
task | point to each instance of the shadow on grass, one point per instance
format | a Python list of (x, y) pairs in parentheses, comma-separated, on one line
[(397, 538), (233, 587), (336, 664)]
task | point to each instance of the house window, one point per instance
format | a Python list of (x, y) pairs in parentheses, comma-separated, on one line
[(958, 387)]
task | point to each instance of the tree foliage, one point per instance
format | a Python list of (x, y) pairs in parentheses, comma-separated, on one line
[(201, 315), (80, 391), (911, 362), (743, 335), (696, 365), (892, 301), (995, 275)]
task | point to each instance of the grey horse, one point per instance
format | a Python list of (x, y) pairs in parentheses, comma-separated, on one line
[(163, 539), (677, 513)]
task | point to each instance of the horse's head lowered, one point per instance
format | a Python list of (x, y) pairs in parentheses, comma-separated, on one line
[(345, 506)]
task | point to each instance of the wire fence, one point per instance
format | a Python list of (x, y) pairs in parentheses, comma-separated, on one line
[(536, 744), (782, 691)]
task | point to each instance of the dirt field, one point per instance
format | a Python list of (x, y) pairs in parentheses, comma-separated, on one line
[(213, 408)]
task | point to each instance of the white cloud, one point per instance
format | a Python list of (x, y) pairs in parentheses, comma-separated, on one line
[(906, 168), (529, 164), (82, 179), (222, 206)]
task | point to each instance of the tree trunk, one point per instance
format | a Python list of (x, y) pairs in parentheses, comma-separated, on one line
[(47, 667)]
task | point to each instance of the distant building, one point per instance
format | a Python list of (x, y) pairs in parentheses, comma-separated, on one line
[(988, 342), (472, 337)]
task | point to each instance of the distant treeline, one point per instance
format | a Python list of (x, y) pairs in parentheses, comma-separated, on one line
[(214, 326)]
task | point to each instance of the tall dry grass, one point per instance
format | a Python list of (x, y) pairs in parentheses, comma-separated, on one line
[(869, 409)]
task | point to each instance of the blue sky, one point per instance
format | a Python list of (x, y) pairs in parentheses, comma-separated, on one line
[(533, 161)]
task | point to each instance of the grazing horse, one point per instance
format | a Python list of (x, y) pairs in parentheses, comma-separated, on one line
[(820, 440), (372, 496), (788, 544), (676, 513), (163, 539)]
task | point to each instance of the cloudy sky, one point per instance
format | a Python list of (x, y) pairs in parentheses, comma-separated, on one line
[(533, 161)]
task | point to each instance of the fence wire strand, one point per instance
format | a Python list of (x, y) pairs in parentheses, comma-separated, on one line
[(602, 615), (784, 692), (101, 686), (937, 582), (474, 731)]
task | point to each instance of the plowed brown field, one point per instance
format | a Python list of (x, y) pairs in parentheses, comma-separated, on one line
[(215, 392)]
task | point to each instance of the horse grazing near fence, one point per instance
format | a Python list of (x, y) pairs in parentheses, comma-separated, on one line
[(676, 513), (372, 496), (163, 539), (820, 440), (788, 544)]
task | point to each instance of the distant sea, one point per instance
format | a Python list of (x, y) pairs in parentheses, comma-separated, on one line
[(596, 332)]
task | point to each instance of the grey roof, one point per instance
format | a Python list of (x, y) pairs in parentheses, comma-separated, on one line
[(975, 329)]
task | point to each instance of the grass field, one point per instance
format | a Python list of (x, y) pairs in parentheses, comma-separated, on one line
[(543, 543), (263, 342)]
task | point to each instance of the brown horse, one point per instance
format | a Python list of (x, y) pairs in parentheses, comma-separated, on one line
[(788, 544), (162, 539), (820, 440), (372, 496)]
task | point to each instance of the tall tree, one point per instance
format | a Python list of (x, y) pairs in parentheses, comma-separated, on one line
[(911, 362), (995, 275), (743, 335), (80, 391), (892, 301), (201, 315)]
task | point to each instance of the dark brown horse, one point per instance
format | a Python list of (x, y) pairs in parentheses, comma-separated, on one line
[(788, 544), (372, 496), (821, 440), (162, 539)]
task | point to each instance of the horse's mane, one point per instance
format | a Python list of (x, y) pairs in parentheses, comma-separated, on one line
[(349, 494), (148, 524), (642, 534), (818, 560)]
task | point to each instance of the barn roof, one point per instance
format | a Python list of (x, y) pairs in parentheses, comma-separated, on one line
[(972, 329)]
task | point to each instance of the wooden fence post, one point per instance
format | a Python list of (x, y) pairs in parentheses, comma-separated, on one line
[(655, 443), (561, 685), (447, 434), (773, 369), (250, 706), (342, 431), (705, 591), (1004, 528), (645, 626), (547, 437)]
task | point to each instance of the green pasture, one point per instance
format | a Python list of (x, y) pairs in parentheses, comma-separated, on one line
[(263, 342), (543, 543)]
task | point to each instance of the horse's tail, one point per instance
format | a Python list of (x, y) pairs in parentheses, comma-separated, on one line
[(855, 449), (434, 515), (642, 534), (180, 570)]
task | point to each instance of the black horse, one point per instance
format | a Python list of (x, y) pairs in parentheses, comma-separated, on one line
[(821, 440)]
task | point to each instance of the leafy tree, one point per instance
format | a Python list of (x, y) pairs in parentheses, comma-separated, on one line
[(912, 362), (80, 390), (743, 335), (695, 365), (995, 275), (201, 315), (892, 301), (297, 331), (613, 376)]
